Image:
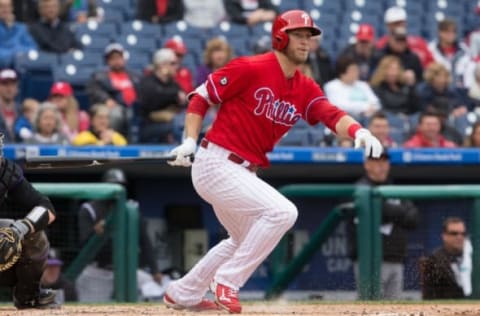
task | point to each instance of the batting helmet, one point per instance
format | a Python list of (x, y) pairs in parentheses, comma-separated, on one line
[(290, 20)]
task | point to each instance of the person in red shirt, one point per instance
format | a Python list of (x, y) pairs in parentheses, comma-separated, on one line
[(397, 17), (183, 75), (261, 97), (115, 87), (8, 104), (429, 133)]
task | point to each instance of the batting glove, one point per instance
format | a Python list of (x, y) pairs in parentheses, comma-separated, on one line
[(184, 153), (373, 147)]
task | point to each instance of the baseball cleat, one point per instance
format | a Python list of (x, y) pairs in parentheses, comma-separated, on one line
[(226, 298), (45, 299), (204, 305)]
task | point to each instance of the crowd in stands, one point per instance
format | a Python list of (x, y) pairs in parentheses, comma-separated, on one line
[(118, 72)]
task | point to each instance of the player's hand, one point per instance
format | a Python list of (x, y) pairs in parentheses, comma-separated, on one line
[(183, 154), (373, 147)]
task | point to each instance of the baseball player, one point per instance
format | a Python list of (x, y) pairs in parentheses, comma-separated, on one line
[(23, 243), (260, 98)]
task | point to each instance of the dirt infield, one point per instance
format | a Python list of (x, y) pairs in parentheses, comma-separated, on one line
[(470, 308)]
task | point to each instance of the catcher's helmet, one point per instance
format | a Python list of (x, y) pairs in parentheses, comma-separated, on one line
[(290, 20)]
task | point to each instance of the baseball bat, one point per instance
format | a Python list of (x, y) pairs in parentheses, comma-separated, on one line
[(54, 162)]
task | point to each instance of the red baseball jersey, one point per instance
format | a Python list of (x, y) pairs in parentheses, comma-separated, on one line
[(258, 105)]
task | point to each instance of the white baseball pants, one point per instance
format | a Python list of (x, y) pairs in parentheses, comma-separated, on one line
[(255, 215)]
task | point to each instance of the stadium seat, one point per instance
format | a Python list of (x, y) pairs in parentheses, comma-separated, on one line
[(325, 20), (112, 14), (141, 28), (184, 30), (35, 61), (240, 46), (230, 30), (82, 58), (324, 6), (261, 29), (285, 5), (138, 61), (296, 137), (132, 42), (73, 74), (93, 43), (95, 28)]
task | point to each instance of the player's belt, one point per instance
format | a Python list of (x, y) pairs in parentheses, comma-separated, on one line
[(233, 157)]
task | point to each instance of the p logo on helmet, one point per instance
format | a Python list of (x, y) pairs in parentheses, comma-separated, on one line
[(291, 20)]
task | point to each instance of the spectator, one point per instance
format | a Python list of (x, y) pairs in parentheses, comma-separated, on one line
[(250, 12), (100, 132), (447, 271), (161, 98), (116, 87), (379, 126), (79, 11), (388, 83), (160, 11), (183, 75), (474, 88), (473, 140), (398, 218), (437, 88), (96, 281), (53, 278), (204, 14), (217, 53), (320, 62), (8, 104), (73, 120), (14, 36), (349, 93), (362, 50), (24, 124), (395, 17), (397, 46), (50, 33), (446, 50), (47, 127), (429, 133)]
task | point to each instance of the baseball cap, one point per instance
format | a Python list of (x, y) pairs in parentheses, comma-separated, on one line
[(400, 33), (177, 45), (8, 75), (164, 55), (61, 88), (395, 14), (365, 33), (113, 47)]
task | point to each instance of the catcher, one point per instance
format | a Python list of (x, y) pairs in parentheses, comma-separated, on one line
[(23, 243)]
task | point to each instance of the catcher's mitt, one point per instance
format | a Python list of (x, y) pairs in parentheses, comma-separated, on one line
[(10, 248)]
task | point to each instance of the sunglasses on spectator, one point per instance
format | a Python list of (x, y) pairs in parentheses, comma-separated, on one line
[(456, 233)]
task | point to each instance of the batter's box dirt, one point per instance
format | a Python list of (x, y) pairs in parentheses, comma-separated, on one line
[(451, 308)]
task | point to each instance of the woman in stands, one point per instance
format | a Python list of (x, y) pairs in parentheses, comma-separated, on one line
[(217, 53), (73, 120), (47, 126)]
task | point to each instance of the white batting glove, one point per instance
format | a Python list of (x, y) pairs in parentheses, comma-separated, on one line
[(373, 147), (184, 153)]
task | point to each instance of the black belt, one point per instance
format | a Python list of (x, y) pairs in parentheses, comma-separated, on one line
[(232, 157)]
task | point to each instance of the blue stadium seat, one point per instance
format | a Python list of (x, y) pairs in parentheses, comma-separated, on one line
[(191, 61), (240, 46), (325, 20), (94, 28), (93, 43), (230, 30), (141, 28), (138, 61), (285, 5), (132, 42), (261, 29), (296, 137), (35, 61), (112, 14), (75, 75), (82, 58), (184, 30), (323, 6)]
